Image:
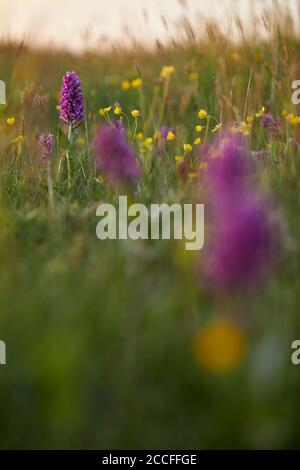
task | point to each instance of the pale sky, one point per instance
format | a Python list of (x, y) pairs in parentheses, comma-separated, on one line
[(85, 23)]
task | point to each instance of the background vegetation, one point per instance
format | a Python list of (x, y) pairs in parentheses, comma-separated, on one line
[(100, 335)]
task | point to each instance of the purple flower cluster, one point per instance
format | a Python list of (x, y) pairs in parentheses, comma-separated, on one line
[(46, 142), (241, 242), (119, 125), (71, 100), (114, 155), (271, 124)]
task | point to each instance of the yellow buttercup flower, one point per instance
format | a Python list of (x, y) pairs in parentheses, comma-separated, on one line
[(261, 112), (17, 139), (148, 142), (80, 141), (193, 76), (136, 83), (199, 128), (295, 120), (125, 85), (135, 113), (220, 346), (217, 127), (197, 141), (10, 121), (171, 135), (167, 71), (178, 159), (118, 110), (202, 166), (235, 56), (187, 148), (289, 116), (202, 114), (140, 136), (104, 111), (245, 128)]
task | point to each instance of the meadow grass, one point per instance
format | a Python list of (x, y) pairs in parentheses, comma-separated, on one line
[(100, 334)]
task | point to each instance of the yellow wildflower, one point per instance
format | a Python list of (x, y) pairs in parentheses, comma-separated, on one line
[(118, 110), (197, 141), (178, 159), (10, 121), (193, 76), (104, 111), (80, 141), (171, 135), (17, 139), (167, 71), (136, 83), (261, 112), (289, 117), (199, 128), (135, 113), (295, 120), (202, 165), (220, 346), (187, 148), (245, 128), (140, 136), (125, 85), (235, 56), (202, 114), (148, 142), (217, 127)]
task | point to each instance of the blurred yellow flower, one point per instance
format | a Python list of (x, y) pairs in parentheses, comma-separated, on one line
[(261, 112), (199, 128), (17, 139), (167, 71), (140, 136), (193, 76), (80, 141), (197, 141), (187, 148), (235, 56), (217, 127), (294, 120), (10, 121), (289, 116), (245, 128), (171, 135), (178, 158), (135, 113), (136, 83), (220, 346), (148, 142), (202, 114), (118, 110), (202, 166), (193, 174), (250, 119), (104, 111), (125, 85)]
